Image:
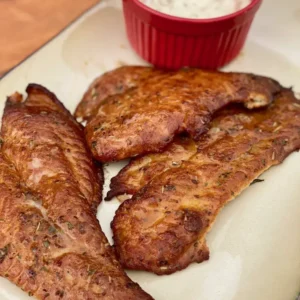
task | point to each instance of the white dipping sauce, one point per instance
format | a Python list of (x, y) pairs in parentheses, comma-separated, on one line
[(197, 9)]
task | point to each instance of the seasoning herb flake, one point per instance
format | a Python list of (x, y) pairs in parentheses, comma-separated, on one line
[(169, 187), (91, 272), (46, 244), (43, 268), (52, 230), (70, 225)]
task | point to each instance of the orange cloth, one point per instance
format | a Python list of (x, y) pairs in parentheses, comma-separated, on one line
[(25, 25)]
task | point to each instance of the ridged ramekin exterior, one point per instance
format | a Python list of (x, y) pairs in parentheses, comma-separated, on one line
[(173, 43)]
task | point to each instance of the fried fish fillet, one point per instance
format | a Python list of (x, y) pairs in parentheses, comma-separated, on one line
[(111, 83), (51, 244), (162, 228), (142, 170), (145, 119)]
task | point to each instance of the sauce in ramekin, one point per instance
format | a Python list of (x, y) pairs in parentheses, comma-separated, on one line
[(197, 9)]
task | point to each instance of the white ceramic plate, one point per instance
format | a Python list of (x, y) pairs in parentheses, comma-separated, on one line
[(255, 242)]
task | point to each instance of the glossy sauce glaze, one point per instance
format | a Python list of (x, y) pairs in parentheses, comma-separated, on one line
[(197, 9)]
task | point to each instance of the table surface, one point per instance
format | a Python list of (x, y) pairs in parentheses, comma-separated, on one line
[(25, 25)]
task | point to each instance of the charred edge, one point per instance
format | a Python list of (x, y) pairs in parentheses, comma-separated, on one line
[(100, 173), (276, 90), (171, 269), (115, 187), (117, 190), (268, 81), (4, 252), (34, 88)]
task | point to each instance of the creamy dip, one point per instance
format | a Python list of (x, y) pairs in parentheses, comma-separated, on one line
[(197, 9)]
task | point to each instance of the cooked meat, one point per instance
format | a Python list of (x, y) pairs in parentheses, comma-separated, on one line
[(59, 138), (142, 170), (111, 83), (162, 228), (145, 119), (51, 244)]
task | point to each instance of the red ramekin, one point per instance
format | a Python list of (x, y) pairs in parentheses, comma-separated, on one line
[(172, 42)]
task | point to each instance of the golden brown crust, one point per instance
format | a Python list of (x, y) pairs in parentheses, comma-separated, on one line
[(111, 83), (142, 170), (54, 132), (162, 228), (145, 119), (51, 244)]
